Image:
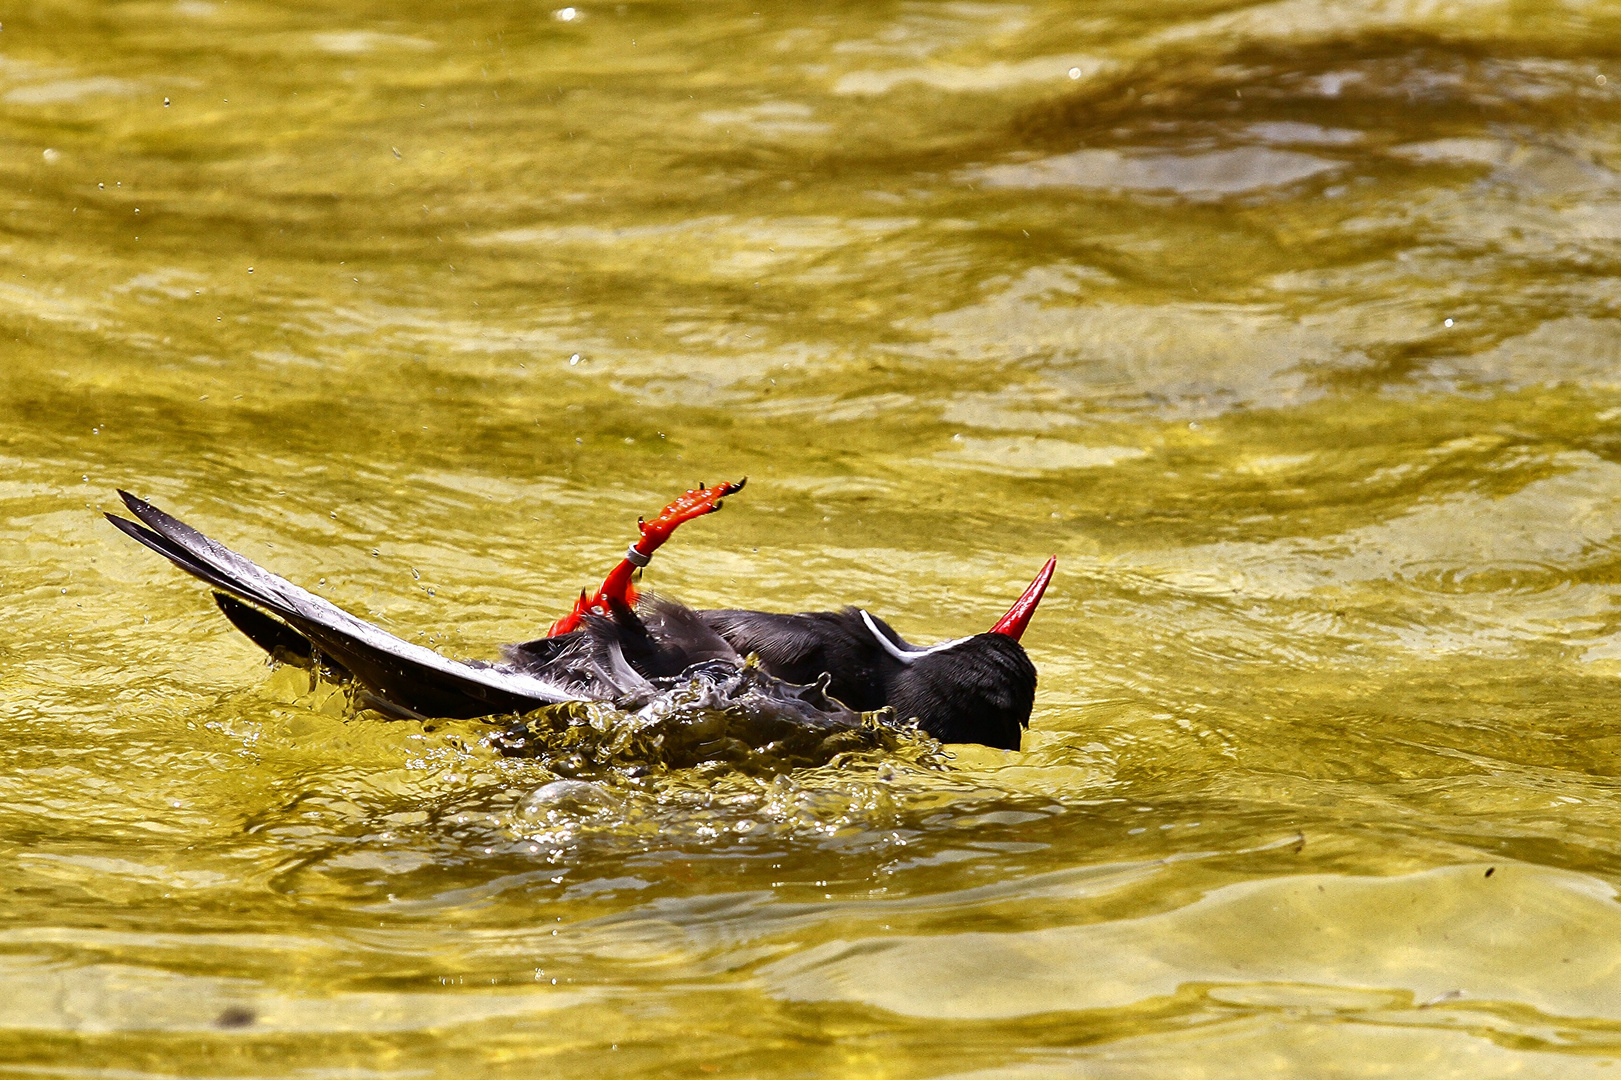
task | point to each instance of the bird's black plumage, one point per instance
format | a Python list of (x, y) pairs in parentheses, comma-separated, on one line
[(801, 648), (979, 689)]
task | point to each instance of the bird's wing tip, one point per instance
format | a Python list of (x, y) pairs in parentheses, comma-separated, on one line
[(125, 525)]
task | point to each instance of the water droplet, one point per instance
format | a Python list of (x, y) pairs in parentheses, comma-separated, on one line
[(1448, 322), (397, 153), (567, 14), (51, 156), (1075, 73), (165, 103), (250, 269), (575, 359)]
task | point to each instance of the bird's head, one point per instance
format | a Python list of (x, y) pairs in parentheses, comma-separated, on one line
[(977, 689)]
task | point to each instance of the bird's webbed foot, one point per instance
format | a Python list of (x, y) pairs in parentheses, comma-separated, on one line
[(619, 586)]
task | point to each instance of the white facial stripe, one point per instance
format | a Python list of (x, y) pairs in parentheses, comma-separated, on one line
[(906, 656)]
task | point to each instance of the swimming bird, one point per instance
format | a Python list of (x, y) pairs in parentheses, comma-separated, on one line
[(617, 643)]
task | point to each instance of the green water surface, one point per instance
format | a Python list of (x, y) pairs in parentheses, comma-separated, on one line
[(1289, 326)]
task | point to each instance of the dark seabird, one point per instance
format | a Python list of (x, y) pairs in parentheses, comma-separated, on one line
[(616, 645)]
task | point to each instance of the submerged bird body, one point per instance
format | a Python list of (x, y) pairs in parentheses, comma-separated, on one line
[(980, 690), (616, 645)]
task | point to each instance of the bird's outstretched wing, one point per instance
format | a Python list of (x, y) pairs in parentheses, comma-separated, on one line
[(403, 678)]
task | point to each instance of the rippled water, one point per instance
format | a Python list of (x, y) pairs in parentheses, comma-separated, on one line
[(1290, 327)]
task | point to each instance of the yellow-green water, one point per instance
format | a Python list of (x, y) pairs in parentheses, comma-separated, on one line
[(1321, 778)]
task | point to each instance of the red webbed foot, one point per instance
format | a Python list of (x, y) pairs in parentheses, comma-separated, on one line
[(617, 585), (691, 504)]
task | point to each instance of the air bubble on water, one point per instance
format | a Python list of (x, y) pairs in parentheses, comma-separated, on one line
[(415, 575), (1075, 73), (1447, 323), (165, 103), (51, 155), (575, 359), (250, 269), (567, 14), (1602, 80)]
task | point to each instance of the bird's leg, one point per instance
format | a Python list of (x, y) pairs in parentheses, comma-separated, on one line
[(618, 587)]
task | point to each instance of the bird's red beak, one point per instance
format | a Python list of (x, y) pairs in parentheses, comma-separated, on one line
[(1018, 616)]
